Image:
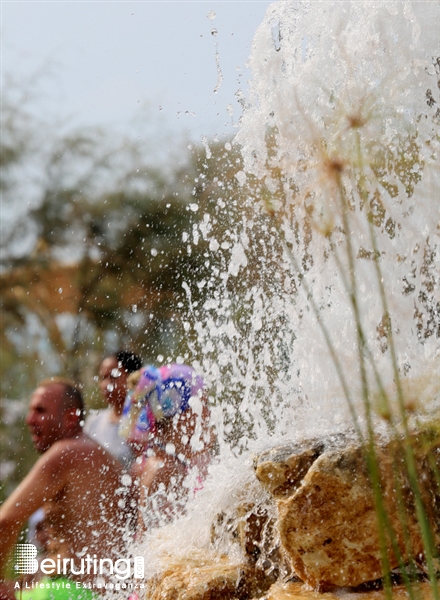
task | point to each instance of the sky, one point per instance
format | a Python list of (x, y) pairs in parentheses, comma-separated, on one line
[(179, 64)]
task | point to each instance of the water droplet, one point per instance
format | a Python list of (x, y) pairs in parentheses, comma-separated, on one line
[(126, 480), (276, 36)]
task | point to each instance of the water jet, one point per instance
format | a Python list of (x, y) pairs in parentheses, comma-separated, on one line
[(325, 316)]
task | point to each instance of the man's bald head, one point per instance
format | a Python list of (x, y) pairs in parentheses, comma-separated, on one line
[(71, 396), (56, 412)]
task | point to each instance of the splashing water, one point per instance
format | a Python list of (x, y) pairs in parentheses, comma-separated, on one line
[(343, 105), (344, 112)]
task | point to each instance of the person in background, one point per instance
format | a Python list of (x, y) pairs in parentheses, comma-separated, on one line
[(78, 484), (167, 423), (103, 425)]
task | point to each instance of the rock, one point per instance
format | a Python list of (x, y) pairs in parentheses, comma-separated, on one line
[(259, 540), (329, 526), (249, 522), (253, 528), (216, 580), (297, 591), (321, 519), (282, 469)]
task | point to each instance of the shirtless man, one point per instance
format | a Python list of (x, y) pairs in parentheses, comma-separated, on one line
[(76, 481)]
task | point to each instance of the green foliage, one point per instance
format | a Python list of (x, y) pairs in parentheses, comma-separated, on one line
[(99, 257), (113, 251)]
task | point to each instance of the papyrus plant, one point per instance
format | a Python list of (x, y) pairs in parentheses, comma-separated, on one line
[(341, 150)]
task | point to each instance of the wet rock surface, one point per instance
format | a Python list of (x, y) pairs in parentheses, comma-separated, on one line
[(281, 469), (297, 591), (329, 526), (252, 526), (319, 524), (215, 580)]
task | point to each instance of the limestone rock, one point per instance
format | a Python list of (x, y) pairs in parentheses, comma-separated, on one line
[(250, 523), (281, 470), (329, 526), (297, 591), (253, 528), (216, 580)]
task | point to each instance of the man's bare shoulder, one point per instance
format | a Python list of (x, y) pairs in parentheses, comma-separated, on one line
[(80, 448)]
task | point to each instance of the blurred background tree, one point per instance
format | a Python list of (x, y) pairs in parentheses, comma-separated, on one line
[(95, 259), (96, 242), (111, 242)]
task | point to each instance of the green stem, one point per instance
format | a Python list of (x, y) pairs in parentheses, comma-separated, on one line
[(425, 530), (371, 455), (367, 349), (320, 321)]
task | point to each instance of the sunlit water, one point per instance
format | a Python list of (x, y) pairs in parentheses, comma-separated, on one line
[(327, 76)]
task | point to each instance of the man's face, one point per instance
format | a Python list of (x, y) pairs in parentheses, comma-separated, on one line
[(45, 417), (113, 381)]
